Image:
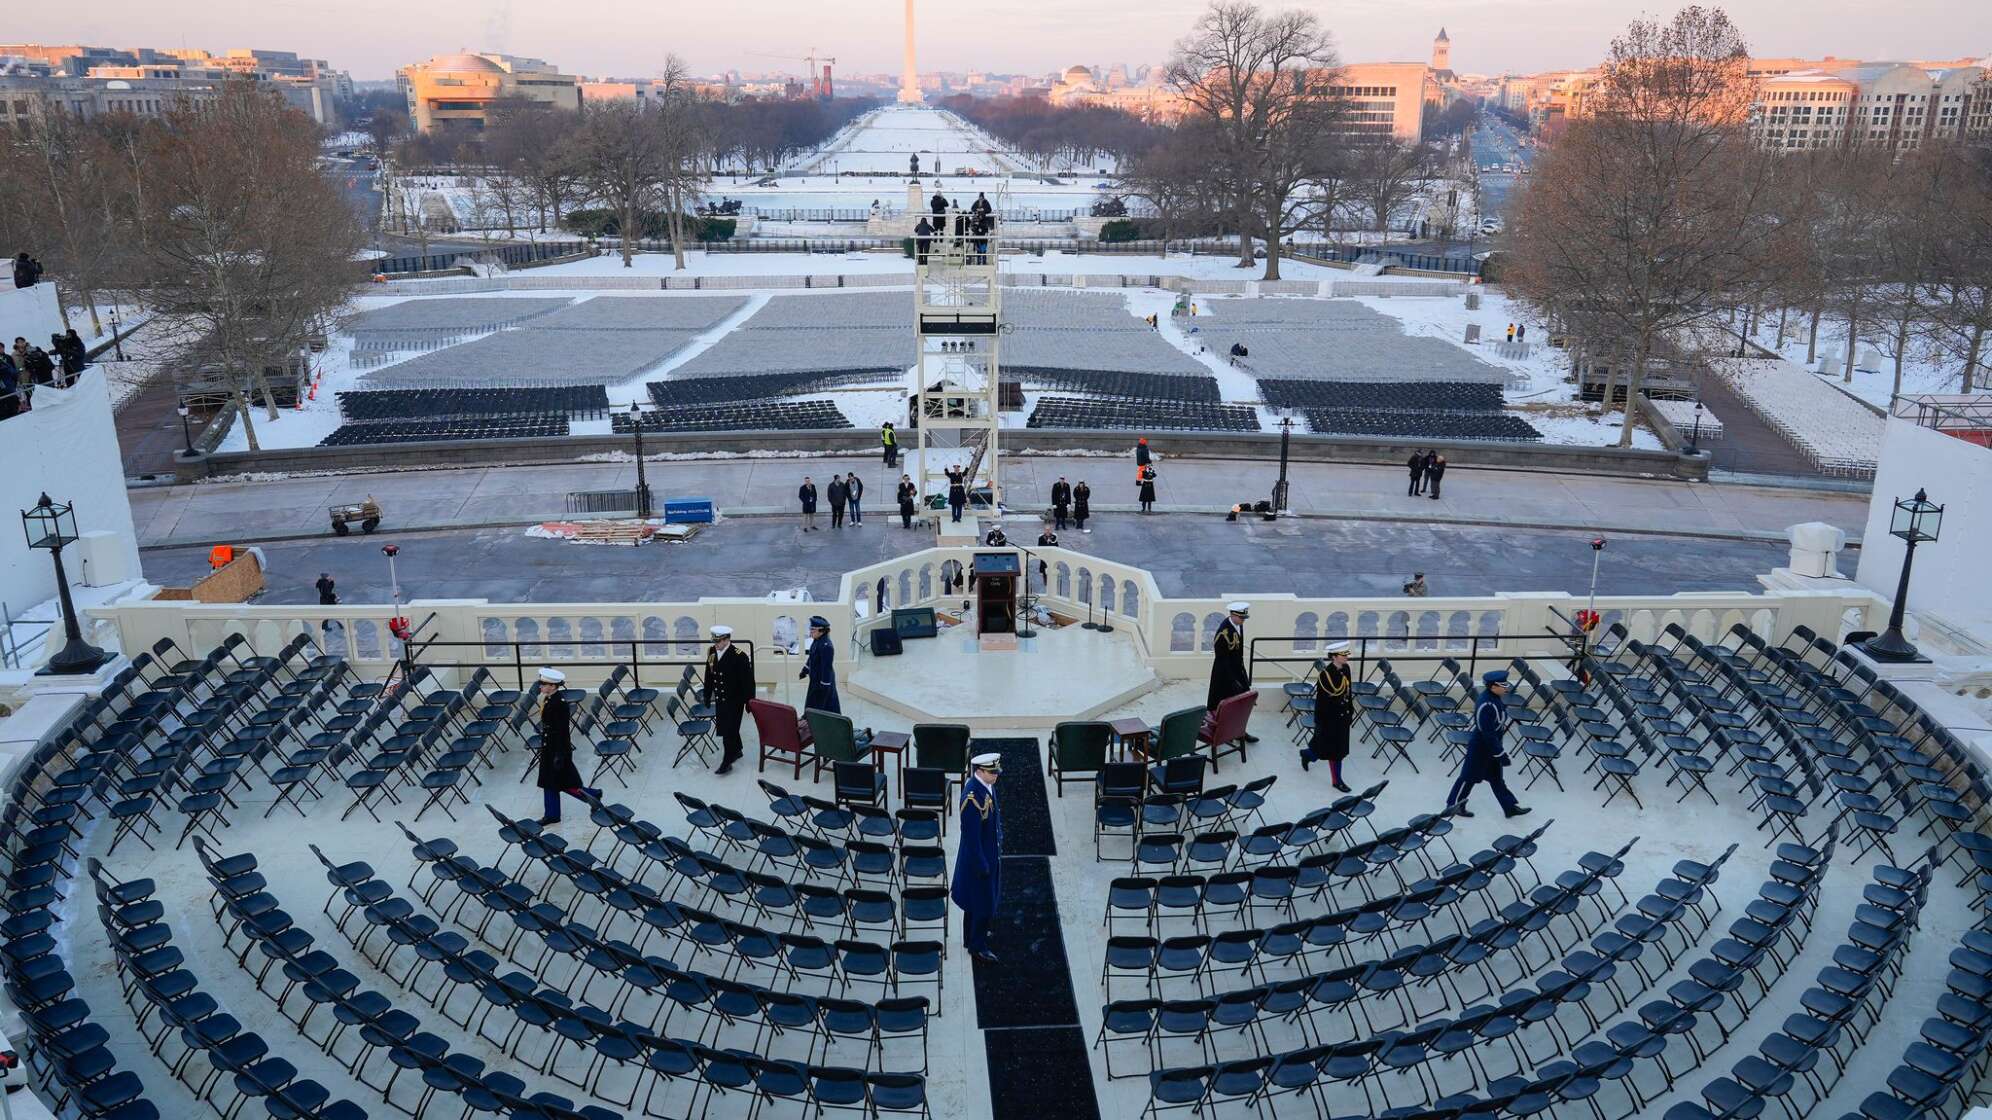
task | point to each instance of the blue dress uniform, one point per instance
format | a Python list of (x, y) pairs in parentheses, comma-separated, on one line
[(820, 667), (978, 870), (1484, 755)]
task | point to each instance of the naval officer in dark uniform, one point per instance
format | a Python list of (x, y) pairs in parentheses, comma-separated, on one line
[(1228, 675), (978, 869), (1484, 756), (729, 684), (820, 667), (1334, 711), (557, 774)]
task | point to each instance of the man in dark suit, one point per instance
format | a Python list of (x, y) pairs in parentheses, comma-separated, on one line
[(729, 684), (1061, 501), (1228, 675), (557, 774)]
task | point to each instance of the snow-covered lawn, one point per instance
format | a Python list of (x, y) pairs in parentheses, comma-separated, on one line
[(1547, 401)]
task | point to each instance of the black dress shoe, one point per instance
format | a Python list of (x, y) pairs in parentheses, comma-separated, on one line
[(724, 770), (544, 821), (1464, 813), (1518, 811), (1341, 787), (986, 955), (1305, 761), (1251, 738)]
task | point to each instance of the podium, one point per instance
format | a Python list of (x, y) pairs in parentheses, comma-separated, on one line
[(997, 577)]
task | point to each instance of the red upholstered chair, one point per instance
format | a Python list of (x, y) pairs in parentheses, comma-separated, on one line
[(1224, 729), (784, 735)]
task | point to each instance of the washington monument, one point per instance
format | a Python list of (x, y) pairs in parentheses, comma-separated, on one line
[(909, 80)]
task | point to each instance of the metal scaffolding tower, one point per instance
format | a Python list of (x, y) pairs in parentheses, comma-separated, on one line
[(958, 330)]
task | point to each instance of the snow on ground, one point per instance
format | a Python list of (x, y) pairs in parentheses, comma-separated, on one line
[(868, 406), (1923, 371), (886, 136)]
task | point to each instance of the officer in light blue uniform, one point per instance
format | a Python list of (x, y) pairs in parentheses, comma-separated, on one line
[(820, 667), (978, 870), (1484, 756)]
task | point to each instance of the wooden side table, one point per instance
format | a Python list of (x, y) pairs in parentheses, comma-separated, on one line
[(1133, 736), (893, 743)]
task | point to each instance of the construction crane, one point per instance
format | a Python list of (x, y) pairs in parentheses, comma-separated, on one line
[(819, 80)]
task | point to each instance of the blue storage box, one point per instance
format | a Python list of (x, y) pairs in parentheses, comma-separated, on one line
[(688, 511)]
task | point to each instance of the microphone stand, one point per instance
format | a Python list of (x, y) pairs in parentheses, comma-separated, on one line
[(1024, 630)]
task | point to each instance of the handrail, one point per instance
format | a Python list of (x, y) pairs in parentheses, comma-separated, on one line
[(634, 663)]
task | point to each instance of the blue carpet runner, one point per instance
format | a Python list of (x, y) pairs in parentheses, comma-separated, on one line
[(1038, 1068)]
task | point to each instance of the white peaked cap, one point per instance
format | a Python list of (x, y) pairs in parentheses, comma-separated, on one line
[(1239, 607), (722, 631), (553, 676), (991, 761), (1336, 647)]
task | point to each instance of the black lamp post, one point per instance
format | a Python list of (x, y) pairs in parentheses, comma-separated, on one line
[(1917, 521), (186, 432), (1280, 487), (50, 526), (117, 334), (1694, 437), (642, 484)]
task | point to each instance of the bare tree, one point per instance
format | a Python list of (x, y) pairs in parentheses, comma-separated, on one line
[(252, 244), (678, 125), (65, 169), (623, 164), (1856, 198), (1265, 82), (535, 143), (1177, 177), (1651, 216), (1383, 174), (1961, 269)]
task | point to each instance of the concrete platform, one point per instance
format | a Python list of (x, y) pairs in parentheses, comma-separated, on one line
[(1068, 673)]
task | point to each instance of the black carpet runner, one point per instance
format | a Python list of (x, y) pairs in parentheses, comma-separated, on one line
[(1038, 1069)]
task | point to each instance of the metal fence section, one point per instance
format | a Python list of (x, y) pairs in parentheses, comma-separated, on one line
[(514, 255), (601, 501)]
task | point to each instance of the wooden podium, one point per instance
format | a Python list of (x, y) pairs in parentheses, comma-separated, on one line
[(997, 577)]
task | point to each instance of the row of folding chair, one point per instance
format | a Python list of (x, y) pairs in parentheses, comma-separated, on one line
[(1200, 834), (163, 992), (1210, 902), (1845, 1003), (1129, 800), (721, 1001)]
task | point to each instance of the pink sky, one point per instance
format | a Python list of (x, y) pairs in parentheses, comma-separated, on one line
[(629, 37)]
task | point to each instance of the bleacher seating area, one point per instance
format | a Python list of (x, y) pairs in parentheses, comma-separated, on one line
[(1192, 416), (1400, 424), (534, 986), (1117, 384), (1327, 957), (1333, 340), (535, 357), (1820, 947), (1835, 432), (577, 402), (513, 426), (1397, 396), (746, 417), (754, 387)]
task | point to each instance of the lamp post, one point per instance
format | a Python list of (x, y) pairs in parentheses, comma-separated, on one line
[(186, 432), (50, 526), (1694, 437), (642, 484), (1280, 487), (1917, 521), (117, 333)]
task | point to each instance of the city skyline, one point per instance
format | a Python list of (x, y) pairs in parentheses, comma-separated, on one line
[(1523, 36)]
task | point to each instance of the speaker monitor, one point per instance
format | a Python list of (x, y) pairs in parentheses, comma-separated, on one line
[(885, 643)]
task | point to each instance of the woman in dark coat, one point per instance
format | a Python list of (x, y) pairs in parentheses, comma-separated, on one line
[(1147, 477), (1334, 711), (820, 668), (557, 774), (1082, 505)]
